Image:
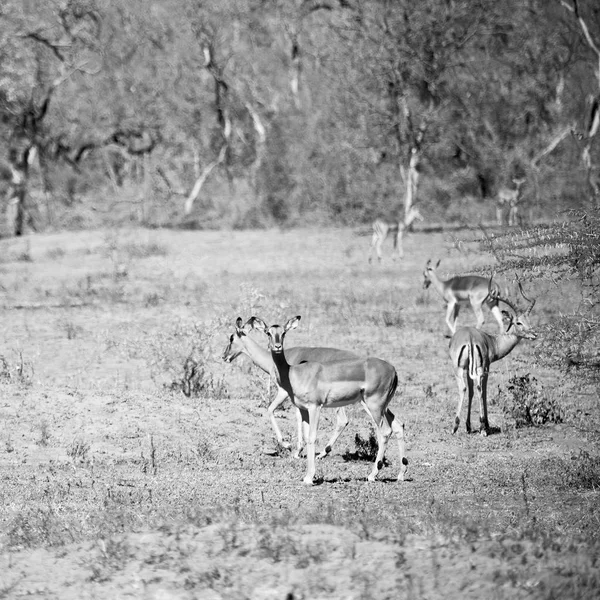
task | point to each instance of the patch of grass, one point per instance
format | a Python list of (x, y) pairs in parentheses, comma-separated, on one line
[(582, 471), (78, 450), (527, 404), (25, 255), (393, 318), (197, 380), (38, 527), (145, 249), (366, 449), (44, 433), (55, 253), (20, 371), (113, 557)]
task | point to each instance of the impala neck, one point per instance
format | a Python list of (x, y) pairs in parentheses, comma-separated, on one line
[(282, 371), (503, 344), (260, 356), (437, 283)]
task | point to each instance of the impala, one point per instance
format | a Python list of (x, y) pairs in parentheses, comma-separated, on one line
[(473, 289), (382, 228), (510, 198), (312, 386), (472, 351), (241, 343)]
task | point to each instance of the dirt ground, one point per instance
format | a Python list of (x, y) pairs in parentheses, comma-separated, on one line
[(114, 484)]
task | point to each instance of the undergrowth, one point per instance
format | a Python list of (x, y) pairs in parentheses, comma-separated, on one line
[(528, 405)]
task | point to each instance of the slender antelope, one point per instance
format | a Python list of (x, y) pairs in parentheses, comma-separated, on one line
[(312, 386), (472, 351), (462, 289), (240, 342), (382, 228), (507, 197)]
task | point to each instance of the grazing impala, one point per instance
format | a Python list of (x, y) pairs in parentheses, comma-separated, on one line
[(473, 289), (241, 343), (312, 386), (472, 351), (382, 228)]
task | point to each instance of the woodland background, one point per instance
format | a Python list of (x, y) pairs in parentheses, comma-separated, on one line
[(254, 113)]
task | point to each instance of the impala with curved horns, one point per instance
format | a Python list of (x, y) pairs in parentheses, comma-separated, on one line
[(472, 351), (241, 343), (381, 229), (474, 289), (312, 386)]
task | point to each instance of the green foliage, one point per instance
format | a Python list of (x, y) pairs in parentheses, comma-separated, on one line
[(527, 404)]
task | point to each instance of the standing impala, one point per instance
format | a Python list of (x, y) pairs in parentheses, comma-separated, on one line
[(462, 289), (312, 386), (240, 342), (472, 352), (382, 228), (507, 197)]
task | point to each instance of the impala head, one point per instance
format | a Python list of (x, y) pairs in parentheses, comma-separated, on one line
[(519, 324), (428, 272), (235, 347), (413, 214), (275, 333)]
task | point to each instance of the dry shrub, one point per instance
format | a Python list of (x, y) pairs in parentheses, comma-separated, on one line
[(527, 404)]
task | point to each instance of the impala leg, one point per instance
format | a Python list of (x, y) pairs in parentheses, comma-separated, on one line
[(399, 242), (469, 403), (312, 414), (340, 425), (459, 373), (374, 246), (278, 400), (301, 434), (483, 415), (398, 429), (452, 316), (478, 386), (384, 431)]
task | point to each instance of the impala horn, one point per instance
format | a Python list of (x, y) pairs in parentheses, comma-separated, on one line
[(496, 295), (531, 302)]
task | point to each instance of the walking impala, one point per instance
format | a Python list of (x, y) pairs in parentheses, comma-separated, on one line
[(312, 386), (472, 351), (462, 289), (240, 342), (382, 228)]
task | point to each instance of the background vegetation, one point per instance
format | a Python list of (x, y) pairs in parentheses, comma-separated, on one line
[(245, 113)]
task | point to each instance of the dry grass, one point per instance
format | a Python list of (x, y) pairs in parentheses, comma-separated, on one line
[(112, 478)]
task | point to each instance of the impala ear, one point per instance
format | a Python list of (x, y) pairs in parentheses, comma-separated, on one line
[(428, 263), (257, 323), (292, 323), (438, 263), (239, 324)]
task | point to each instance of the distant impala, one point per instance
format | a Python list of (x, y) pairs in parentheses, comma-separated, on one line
[(459, 290)]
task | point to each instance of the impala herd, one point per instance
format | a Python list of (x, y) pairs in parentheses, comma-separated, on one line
[(314, 378)]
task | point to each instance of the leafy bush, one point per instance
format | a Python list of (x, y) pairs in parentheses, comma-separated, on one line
[(528, 406), (561, 252)]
